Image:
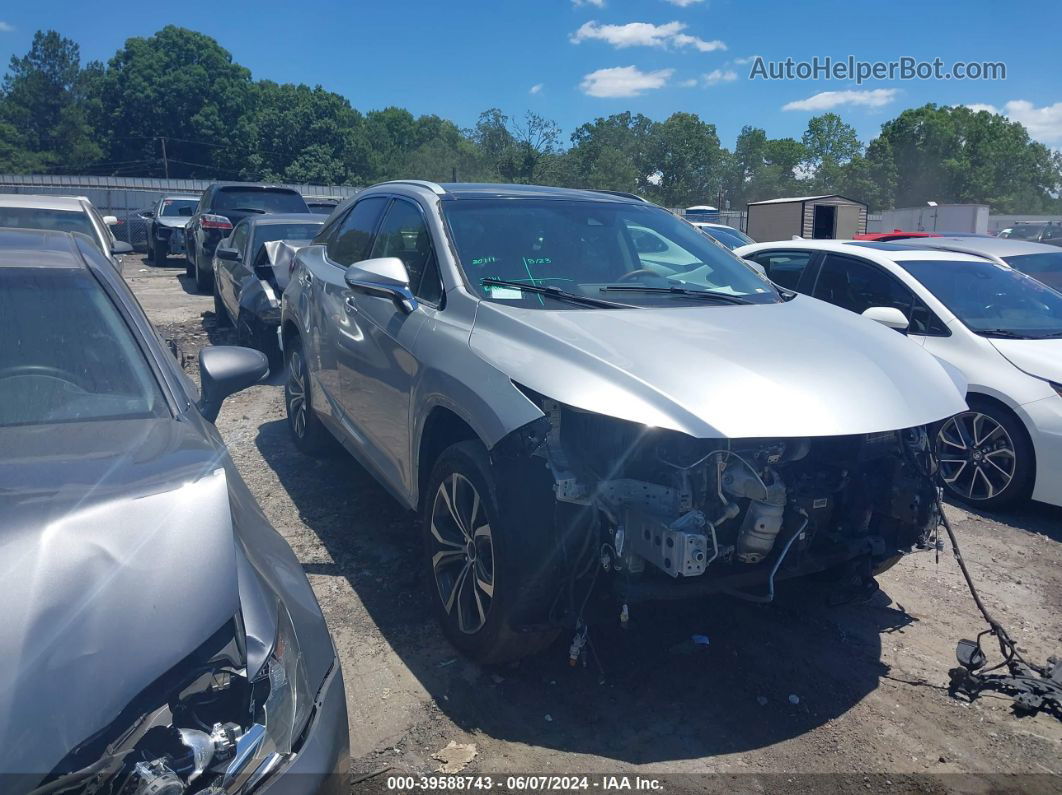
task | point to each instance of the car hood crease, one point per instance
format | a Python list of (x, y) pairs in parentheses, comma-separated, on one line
[(108, 580)]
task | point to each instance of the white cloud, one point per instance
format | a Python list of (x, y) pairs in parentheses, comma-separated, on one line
[(977, 106), (535, 89), (717, 76), (746, 60), (684, 3), (6, 27), (826, 100), (597, 3), (644, 34), (689, 83), (1044, 124), (624, 81)]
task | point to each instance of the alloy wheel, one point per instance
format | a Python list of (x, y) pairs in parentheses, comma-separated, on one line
[(976, 455), (462, 553), (297, 394)]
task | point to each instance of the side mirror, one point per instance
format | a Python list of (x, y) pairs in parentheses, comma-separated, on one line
[(888, 316), (225, 370), (121, 247), (227, 253), (110, 220), (384, 276), (755, 266), (146, 213)]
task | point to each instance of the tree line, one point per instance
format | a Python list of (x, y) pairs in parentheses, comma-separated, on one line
[(176, 104)]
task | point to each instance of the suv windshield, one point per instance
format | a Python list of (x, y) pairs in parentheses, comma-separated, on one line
[(591, 248), (991, 299), (276, 200), (184, 207), (68, 355), (1046, 267), (37, 218)]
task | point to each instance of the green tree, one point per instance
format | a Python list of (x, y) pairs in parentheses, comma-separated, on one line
[(829, 142), (44, 119), (687, 159), (611, 153), (954, 154), (183, 86)]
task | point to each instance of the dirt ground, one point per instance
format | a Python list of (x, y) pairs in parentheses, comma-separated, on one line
[(793, 696)]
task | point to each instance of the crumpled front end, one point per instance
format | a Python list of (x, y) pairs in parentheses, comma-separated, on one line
[(667, 515)]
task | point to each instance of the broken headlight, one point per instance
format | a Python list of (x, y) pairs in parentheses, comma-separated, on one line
[(282, 698)]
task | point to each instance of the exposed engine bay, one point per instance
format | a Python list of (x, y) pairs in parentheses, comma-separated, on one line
[(205, 726), (668, 515)]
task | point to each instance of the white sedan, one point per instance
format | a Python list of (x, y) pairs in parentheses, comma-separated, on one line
[(1001, 328), (63, 214)]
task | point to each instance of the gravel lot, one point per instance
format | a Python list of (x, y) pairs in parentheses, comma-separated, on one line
[(870, 709)]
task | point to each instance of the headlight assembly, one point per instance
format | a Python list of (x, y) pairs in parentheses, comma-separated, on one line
[(283, 701)]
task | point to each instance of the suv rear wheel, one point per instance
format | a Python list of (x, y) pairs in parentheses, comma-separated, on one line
[(311, 437), (487, 566)]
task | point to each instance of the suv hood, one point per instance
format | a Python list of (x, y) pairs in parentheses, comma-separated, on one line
[(116, 560), (1039, 358), (799, 368)]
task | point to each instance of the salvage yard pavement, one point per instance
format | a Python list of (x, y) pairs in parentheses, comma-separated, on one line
[(792, 688)]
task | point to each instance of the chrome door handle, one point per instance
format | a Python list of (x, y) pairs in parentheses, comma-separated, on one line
[(349, 305)]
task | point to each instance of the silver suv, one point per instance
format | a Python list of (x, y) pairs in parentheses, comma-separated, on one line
[(577, 390)]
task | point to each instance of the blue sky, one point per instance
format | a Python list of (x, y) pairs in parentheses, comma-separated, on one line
[(573, 60)]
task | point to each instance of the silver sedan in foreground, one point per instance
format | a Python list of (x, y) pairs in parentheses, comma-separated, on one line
[(159, 636), (573, 416)]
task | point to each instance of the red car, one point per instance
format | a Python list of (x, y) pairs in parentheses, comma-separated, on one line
[(895, 234)]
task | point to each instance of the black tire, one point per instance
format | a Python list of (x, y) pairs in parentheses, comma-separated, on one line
[(252, 333), (485, 611), (990, 462), (157, 257), (309, 434), (204, 279), (221, 315)]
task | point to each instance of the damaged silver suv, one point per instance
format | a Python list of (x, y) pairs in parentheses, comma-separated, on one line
[(578, 390)]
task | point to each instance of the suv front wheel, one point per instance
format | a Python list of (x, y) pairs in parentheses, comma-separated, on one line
[(487, 567)]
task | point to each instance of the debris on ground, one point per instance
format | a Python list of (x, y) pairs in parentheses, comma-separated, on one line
[(455, 756)]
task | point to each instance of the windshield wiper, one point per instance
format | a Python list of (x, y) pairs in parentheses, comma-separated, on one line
[(1004, 333), (554, 292), (248, 210), (683, 291)]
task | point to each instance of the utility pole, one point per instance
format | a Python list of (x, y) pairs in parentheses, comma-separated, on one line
[(165, 160)]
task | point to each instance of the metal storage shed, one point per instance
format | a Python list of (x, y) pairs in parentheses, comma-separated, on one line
[(831, 216)]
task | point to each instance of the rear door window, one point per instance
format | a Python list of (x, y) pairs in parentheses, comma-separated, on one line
[(784, 268)]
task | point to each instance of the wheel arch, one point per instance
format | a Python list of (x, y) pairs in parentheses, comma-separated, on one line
[(442, 428), (995, 402)]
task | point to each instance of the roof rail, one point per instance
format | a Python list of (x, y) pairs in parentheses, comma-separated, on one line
[(621, 193), (434, 187)]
